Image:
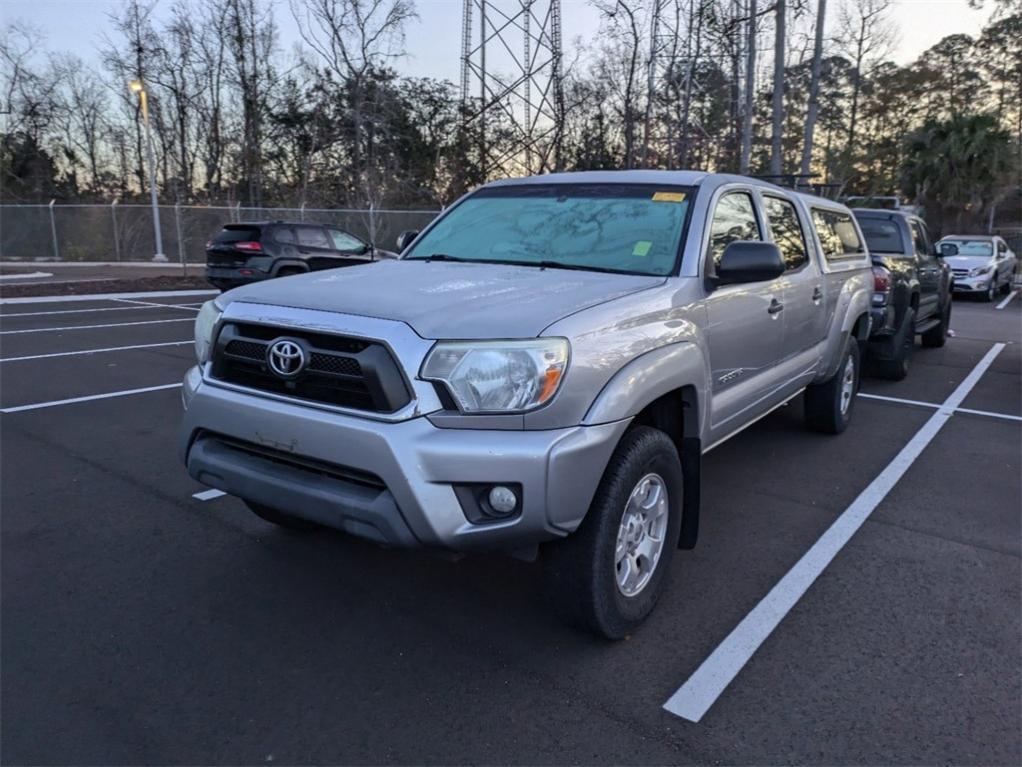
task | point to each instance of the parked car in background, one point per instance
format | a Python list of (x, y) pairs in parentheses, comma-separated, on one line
[(544, 365), (912, 289), (259, 250), (981, 265)]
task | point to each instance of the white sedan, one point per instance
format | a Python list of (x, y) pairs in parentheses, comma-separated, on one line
[(981, 264)]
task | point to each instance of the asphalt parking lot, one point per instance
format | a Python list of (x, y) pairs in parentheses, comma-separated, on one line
[(143, 625)]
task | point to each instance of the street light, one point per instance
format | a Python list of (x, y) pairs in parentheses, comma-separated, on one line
[(137, 87)]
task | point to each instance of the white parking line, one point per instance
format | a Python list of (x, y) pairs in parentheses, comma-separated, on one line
[(93, 351), (208, 495), (73, 400), (901, 401), (89, 327), (150, 303), (1007, 300), (107, 296), (694, 698), (8, 315)]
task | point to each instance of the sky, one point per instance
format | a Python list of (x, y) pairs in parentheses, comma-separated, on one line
[(433, 42)]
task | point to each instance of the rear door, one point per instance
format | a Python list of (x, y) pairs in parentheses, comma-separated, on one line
[(314, 247), (804, 310), (745, 327), (929, 267)]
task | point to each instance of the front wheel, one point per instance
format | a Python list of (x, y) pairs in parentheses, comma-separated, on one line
[(991, 292), (828, 405), (608, 575)]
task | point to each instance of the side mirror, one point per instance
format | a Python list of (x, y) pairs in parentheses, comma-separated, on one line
[(948, 249), (406, 238), (749, 261)]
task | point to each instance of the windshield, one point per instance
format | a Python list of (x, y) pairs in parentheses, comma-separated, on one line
[(972, 247), (881, 236), (632, 229)]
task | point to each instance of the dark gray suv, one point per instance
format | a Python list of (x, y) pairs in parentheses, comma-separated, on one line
[(258, 250)]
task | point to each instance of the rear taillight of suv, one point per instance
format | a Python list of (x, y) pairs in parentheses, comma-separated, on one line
[(247, 246), (881, 284)]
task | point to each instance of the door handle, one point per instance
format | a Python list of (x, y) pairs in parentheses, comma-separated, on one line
[(817, 293), (775, 306)]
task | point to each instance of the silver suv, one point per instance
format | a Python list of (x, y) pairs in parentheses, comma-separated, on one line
[(544, 365)]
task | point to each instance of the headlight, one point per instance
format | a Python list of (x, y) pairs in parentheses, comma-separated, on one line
[(205, 323), (498, 376), (980, 270)]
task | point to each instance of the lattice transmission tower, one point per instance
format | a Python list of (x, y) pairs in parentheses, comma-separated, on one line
[(512, 83)]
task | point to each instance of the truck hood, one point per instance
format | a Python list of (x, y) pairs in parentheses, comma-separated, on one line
[(448, 300), (968, 262)]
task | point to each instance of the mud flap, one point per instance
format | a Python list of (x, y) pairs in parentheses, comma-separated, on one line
[(691, 457)]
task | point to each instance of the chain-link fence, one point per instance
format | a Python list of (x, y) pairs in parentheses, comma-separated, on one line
[(117, 232)]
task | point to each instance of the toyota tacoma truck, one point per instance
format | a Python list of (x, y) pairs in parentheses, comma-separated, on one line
[(538, 374)]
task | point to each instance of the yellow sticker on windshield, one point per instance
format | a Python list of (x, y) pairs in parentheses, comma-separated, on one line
[(668, 197), (642, 248)]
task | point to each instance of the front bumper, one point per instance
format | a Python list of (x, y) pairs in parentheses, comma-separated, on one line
[(972, 284), (417, 465)]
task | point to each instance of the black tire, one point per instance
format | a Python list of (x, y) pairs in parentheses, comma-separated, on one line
[(936, 337), (580, 571), (281, 519), (896, 366), (828, 405), (991, 292)]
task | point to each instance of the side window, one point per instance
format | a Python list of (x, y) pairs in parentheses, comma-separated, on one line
[(787, 232), (837, 233), (919, 239), (344, 241), (1002, 246), (734, 219), (312, 237), (284, 234)]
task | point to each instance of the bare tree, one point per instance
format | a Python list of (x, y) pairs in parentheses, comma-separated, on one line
[(866, 36), (777, 108), (355, 39), (750, 89), (620, 65), (814, 90)]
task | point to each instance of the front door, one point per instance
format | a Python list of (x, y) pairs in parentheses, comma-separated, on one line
[(929, 270), (745, 326)]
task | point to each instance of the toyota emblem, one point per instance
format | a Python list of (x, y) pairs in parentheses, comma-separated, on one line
[(285, 358)]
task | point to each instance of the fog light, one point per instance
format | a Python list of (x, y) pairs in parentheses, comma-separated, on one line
[(502, 499)]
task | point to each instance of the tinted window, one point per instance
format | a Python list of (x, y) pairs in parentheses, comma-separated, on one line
[(238, 234), (345, 241), (312, 237), (284, 234), (837, 234), (787, 231), (733, 220), (919, 239), (615, 227), (882, 236)]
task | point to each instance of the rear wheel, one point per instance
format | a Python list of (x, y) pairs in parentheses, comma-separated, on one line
[(935, 337), (828, 405), (608, 575), (903, 344), (281, 519)]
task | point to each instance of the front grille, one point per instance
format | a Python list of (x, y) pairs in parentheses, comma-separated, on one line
[(342, 371), (960, 272)]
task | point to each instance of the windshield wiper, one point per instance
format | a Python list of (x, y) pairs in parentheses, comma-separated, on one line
[(441, 257), (563, 265)]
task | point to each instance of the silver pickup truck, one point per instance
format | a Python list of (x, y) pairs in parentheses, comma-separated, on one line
[(544, 366)]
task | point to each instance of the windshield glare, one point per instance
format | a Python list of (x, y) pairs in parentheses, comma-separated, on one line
[(972, 247), (633, 229)]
